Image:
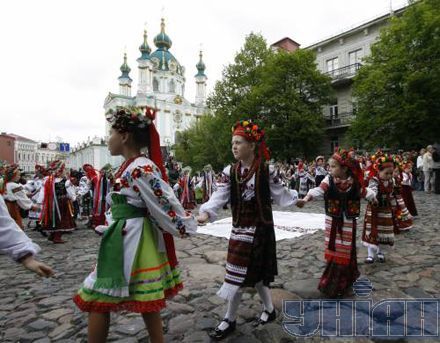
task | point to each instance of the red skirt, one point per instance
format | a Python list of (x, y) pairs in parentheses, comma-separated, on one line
[(66, 222), (408, 199)]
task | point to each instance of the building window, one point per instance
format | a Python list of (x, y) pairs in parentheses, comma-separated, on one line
[(334, 143), (355, 56), (172, 86), (332, 65), (155, 85), (334, 110)]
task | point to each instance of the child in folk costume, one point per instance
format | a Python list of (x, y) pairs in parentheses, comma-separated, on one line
[(403, 219), (100, 182), (303, 177), (137, 266), (250, 185), (208, 183), (406, 191), (56, 197), (380, 222), (342, 191), (320, 171), (85, 193), (33, 188), (186, 187), (15, 195)]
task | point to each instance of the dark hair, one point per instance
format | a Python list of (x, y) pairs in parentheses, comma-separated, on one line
[(141, 137)]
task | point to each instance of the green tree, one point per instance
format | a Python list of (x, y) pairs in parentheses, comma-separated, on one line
[(398, 90), (289, 101)]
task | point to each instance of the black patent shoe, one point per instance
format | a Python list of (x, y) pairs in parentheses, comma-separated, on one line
[(219, 334), (270, 318)]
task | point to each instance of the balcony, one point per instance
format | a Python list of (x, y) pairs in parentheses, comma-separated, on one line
[(340, 120), (344, 74)]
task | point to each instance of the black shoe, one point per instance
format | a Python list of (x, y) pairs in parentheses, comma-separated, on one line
[(220, 334), (270, 318)]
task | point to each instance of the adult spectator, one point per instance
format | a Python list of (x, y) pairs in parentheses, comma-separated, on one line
[(420, 178), (428, 173), (436, 167)]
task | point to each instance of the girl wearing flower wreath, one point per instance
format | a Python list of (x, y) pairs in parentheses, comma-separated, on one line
[(251, 261), (15, 195), (342, 191), (380, 219), (137, 268)]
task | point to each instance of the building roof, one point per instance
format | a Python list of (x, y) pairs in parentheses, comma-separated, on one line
[(284, 39), (4, 134), (21, 138), (357, 28)]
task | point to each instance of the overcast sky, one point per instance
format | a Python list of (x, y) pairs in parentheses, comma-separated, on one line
[(59, 59)]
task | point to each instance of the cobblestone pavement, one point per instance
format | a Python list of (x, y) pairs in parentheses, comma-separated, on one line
[(37, 310)]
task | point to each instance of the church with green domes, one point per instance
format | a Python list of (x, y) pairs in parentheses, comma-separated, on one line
[(161, 84)]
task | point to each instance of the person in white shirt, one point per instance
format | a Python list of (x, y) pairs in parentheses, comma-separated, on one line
[(18, 246), (428, 164)]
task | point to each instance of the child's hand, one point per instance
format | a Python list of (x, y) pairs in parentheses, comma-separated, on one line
[(300, 203), (37, 267), (100, 229), (202, 218)]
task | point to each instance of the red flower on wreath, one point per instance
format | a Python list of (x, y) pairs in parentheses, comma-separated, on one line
[(148, 169), (124, 183), (158, 192), (171, 213), (136, 188)]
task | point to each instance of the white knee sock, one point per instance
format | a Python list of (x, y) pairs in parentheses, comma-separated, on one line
[(231, 313), (266, 298), (372, 251)]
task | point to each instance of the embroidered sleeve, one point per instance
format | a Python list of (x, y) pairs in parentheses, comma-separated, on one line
[(165, 210), (220, 197), (71, 191), (20, 196), (373, 185), (281, 194), (318, 192)]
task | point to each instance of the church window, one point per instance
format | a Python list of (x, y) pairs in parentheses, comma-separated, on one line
[(172, 86), (155, 85)]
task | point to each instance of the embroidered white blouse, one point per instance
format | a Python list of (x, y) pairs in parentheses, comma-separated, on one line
[(16, 192), (280, 194)]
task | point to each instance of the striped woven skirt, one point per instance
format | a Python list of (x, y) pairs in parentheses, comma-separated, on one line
[(379, 226), (404, 219)]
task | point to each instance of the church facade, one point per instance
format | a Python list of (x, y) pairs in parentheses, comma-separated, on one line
[(161, 85)]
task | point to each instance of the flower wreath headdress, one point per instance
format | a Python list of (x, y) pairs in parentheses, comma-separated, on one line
[(252, 132)]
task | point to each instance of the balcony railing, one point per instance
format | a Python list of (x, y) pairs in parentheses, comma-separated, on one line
[(340, 120), (344, 72)]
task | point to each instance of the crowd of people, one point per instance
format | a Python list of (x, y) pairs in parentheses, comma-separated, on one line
[(144, 203)]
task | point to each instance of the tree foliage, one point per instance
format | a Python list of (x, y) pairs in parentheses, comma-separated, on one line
[(398, 90), (282, 91)]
